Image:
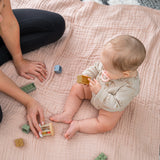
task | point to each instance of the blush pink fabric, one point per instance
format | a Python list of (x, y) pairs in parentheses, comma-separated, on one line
[(88, 27)]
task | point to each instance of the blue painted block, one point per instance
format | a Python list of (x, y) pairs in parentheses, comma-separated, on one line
[(58, 69)]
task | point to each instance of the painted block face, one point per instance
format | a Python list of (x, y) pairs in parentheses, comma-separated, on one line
[(26, 128), (82, 79), (28, 88), (58, 69), (101, 156), (47, 130), (19, 142)]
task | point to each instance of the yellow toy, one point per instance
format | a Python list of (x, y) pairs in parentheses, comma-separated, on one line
[(47, 130), (82, 79), (19, 142)]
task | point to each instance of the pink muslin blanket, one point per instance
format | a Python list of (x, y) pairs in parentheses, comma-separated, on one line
[(88, 27)]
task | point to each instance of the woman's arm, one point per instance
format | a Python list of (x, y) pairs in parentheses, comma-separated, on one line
[(10, 33), (33, 108)]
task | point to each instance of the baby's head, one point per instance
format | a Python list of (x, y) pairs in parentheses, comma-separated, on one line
[(122, 56)]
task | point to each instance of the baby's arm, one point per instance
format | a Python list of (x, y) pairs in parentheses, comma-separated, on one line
[(92, 71), (115, 102)]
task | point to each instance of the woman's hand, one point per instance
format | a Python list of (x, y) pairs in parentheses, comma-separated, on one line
[(35, 114), (28, 69), (94, 85)]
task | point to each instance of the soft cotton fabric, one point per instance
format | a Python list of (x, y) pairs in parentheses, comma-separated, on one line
[(88, 27)]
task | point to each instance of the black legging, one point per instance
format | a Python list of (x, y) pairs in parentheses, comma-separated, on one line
[(1, 114), (37, 28)]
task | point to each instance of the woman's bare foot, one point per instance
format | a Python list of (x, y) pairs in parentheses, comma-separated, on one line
[(73, 128), (62, 117)]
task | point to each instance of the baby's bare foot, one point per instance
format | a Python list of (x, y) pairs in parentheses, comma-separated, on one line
[(62, 117), (73, 128)]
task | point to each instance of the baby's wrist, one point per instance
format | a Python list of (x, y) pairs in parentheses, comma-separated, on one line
[(98, 90)]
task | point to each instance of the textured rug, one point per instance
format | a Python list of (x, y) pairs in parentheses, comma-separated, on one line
[(155, 4), (88, 27)]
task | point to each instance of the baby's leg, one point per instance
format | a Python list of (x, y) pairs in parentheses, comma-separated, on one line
[(77, 94), (105, 121)]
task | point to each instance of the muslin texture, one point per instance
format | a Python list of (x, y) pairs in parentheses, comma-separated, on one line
[(88, 27)]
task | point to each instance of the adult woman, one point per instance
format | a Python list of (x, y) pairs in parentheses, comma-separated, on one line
[(29, 29)]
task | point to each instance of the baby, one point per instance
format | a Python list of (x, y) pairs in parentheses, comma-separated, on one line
[(114, 83)]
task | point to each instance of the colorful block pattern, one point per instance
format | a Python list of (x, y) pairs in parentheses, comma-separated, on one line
[(47, 130)]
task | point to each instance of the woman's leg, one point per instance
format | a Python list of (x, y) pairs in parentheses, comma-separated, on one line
[(1, 114), (37, 28)]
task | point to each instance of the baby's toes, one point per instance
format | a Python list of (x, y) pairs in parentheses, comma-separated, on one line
[(51, 118), (66, 135)]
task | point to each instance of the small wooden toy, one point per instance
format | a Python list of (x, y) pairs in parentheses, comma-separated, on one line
[(19, 142), (101, 156), (47, 130), (58, 69), (28, 88), (82, 79), (26, 128)]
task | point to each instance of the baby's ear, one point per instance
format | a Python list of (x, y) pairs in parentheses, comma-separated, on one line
[(126, 74)]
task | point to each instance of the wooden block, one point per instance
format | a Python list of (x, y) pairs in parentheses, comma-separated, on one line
[(26, 128), (28, 88), (101, 156), (19, 142), (58, 69), (82, 79), (47, 130)]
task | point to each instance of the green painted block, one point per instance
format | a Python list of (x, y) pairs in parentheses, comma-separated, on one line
[(26, 128), (101, 156), (28, 88)]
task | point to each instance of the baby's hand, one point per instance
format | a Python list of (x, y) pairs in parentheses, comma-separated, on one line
[(94, 85)]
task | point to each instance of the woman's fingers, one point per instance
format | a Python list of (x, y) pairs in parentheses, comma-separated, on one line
[(41, 116), (38, 75), (37, 69), (41, 64), (32, 127), (35, 123), (42, 72), (27, 76)]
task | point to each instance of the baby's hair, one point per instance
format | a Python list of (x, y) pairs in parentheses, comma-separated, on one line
[(130, 52)]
